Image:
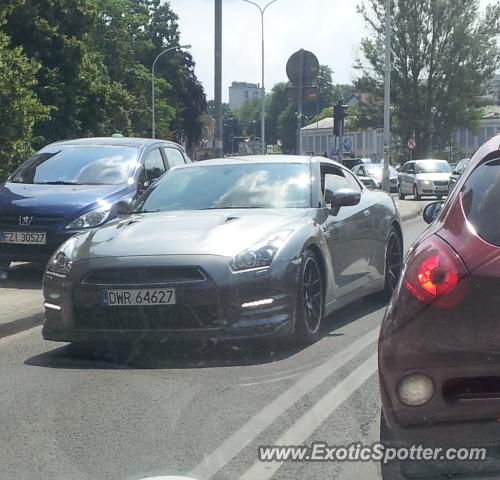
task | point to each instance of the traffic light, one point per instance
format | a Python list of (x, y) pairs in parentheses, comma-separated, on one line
[(339, 115)]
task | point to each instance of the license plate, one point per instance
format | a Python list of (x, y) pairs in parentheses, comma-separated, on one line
[(129, 298), (23, 238)]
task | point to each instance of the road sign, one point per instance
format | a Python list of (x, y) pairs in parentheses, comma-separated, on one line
[(302, 64), (412, 144), (347, 144)]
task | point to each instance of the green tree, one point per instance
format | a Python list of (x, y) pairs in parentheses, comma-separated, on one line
[(19, 106), (444, 54), (249, 113)]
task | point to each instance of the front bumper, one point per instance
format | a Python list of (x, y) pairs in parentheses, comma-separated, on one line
[(439, 190), (207, 308)]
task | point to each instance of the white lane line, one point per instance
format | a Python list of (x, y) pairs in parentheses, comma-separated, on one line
[(313, 418), (231, 447)]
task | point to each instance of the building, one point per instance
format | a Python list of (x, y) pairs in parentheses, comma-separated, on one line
[(318, 137), (242, 92)]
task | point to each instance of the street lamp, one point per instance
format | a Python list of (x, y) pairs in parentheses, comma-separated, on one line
[(153, 118), (387, 98), (263, 91)]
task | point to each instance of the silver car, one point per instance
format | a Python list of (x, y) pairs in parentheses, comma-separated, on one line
[(424, 178), (375, 173), (227, 249)]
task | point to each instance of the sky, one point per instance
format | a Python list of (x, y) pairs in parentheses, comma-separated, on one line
[(331, 29)]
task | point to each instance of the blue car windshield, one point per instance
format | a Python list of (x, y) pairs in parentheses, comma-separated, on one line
[(79, 165), (231, 186)]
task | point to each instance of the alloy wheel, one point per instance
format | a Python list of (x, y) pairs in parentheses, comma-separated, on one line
[(312, 295), (394, 261)]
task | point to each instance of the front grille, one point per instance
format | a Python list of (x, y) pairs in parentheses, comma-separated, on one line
[(441, 183), (169, 317), (144, 276), (12, 220)]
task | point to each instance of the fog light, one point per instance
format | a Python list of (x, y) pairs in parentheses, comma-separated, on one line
[(415, 390), (51, 306), (258, 303)]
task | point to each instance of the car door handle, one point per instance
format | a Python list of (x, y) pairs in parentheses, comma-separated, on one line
[(367, 213)]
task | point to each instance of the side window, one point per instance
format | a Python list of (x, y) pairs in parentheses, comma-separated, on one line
[(352, 182), (361, 171), (481, 197), (174, 157), (404, 168), (153, 165), (332, 178)]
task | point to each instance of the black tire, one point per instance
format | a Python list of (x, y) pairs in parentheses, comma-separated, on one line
[(310, 300), (401, 195), (393, 262), (416, 195)]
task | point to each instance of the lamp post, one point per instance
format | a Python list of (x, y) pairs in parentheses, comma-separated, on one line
[(263, 91), (387, 98), (153, 117)]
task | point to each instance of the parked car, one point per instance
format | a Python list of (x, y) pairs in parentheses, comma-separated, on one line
[(72, 186), (235, 248), (424, 178), (375, 173), (457, 172), (439, 347), (350, 163)]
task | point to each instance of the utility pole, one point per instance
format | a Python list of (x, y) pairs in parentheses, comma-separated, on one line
[(387, 98), (218, 79)]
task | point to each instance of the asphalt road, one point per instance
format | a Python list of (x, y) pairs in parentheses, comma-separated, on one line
[(192, 410)]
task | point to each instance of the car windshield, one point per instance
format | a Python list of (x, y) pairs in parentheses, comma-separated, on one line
[(429, 166), (232, 186), (79, 165)]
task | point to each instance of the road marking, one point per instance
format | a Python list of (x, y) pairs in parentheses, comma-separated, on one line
[(313, 418), (231, 447)]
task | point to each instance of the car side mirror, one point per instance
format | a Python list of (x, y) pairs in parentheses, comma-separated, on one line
[(432, 211), (343, 197), (123, 208)]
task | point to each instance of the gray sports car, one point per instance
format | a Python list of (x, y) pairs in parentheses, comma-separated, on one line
[(242, 247)]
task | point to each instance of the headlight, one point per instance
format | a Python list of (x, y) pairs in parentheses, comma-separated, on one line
[(260, 255), (61, 262), (426, 182), (91, 219)]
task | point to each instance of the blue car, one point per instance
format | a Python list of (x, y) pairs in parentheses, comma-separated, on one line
[(72, 186)]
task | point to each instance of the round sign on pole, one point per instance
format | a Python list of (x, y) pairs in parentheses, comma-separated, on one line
[(310, 70), (411, 144)]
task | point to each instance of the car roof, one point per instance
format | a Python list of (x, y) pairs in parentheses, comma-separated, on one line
[(114, 141), (429, 160), (262, 159)]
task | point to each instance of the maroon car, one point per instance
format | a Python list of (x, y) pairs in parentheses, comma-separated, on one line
[(439, 346)]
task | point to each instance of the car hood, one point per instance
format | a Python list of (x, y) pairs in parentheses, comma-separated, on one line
[(61, 200), (433, 176), (213, 232)]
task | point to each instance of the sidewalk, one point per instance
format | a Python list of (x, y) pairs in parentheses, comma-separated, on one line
[(21, 299), (410, 209)]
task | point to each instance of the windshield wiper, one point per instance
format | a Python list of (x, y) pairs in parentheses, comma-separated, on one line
[(58, 182), (231, 207)]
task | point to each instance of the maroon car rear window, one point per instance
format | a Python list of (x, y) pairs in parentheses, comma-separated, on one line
[(481, 201)]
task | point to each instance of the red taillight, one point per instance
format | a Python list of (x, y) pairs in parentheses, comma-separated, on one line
[(435, 274)]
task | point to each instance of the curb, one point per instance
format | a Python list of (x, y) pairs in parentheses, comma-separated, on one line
[(412, 215), (21, 324)]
